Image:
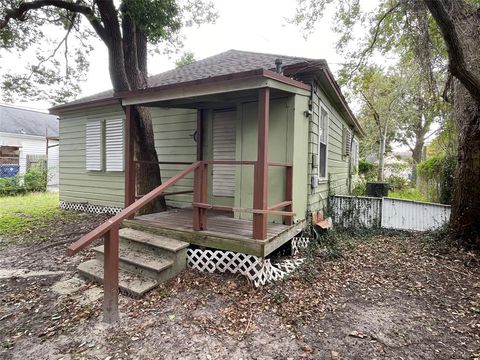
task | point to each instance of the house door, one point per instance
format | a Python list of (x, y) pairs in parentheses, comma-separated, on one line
[(224, 146)]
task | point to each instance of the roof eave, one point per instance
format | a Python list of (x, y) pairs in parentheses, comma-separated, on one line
[(58, 109)]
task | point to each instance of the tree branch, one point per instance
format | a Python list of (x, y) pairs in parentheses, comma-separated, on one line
[(19, 13), (457, 63)]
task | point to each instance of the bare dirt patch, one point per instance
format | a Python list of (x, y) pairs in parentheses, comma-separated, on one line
[(358, 296)]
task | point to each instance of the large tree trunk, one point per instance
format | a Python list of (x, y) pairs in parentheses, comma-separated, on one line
[(135, 58), (460, 28), (465, 218)]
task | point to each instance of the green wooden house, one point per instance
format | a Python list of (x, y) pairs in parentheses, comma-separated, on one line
[(252, 143)]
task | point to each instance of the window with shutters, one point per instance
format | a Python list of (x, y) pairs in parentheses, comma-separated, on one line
[(224, 147), (94, 146), (322, 144), (347, 141), (114, 145), (354, 156)]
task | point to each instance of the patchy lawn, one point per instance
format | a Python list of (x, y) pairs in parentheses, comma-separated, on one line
[(31, 217), (408, 194), (361, 295)]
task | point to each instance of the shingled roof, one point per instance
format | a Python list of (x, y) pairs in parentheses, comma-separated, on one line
[(16, 120), (228, 62)]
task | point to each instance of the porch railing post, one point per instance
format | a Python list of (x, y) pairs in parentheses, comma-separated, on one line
[(200, 196), (130, 168), (260, 189), (288, 220), (110, 275)]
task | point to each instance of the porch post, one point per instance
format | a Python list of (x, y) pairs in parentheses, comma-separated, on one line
[(110, 271), (200, 181), (130, 170), (260, 188)]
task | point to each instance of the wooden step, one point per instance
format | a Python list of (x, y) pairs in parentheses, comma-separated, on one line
[(131, 284), (155, 241), (138, 261)]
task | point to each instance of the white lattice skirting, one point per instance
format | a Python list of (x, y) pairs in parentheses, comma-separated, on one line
[(257, 269), (299, 243), (89, 208)]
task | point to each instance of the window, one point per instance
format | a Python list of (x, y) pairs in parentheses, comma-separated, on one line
[(114, 145), (347, 141), (104, 139), (354, 156), (322, 144), (94, 145)]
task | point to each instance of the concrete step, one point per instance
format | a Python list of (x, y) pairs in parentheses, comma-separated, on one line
[(160, 244), (142, 262), (131, 284)]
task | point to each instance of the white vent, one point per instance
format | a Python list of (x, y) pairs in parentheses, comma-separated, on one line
[(114, 145), (93, 146), (224, 145)]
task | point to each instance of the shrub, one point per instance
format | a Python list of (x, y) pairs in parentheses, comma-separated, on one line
[(438, 174), (397, 183), (34, 180), (360, 188), (367, 169)]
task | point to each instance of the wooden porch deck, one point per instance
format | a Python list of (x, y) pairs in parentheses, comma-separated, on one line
[(223, 231)]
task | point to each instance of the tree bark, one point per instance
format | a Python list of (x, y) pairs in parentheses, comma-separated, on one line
[(381, 153), (135, 58), (460, 28)]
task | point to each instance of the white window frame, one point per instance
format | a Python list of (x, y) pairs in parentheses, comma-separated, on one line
[(355, 153), (324, 112)]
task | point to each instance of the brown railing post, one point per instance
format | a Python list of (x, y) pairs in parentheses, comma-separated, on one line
[(110, 275), (130, 167), (288, 220), (260, 189), (199, 196)]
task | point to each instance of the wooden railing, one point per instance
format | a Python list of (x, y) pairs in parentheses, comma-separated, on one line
[(109, 230), (200, 198)]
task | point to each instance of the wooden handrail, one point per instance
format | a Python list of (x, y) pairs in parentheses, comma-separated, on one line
[(115, 221), (287, 165), (163, 162), (230, 162)]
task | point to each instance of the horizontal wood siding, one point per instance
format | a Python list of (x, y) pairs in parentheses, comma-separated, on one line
[(337, 164), (172, 130)]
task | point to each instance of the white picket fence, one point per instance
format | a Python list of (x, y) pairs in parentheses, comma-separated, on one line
[(391, 213)]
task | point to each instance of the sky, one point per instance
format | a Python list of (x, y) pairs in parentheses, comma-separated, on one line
[(252, 25)]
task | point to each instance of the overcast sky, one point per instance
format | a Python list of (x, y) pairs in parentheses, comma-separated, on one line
[(253, 25)]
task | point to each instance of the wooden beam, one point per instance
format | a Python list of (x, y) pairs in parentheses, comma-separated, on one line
[(130, 167), (110, 274), (288, 220), (199, 138), (260, 190), (199, 221)]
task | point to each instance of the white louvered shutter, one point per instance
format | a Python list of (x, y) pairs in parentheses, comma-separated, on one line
[(114, 145), (93, 145), (224, 145)]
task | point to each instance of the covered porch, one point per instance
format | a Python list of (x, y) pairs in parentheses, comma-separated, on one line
[(257, 224)]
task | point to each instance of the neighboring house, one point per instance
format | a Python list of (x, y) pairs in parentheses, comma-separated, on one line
[(218, 123), (28, 136)]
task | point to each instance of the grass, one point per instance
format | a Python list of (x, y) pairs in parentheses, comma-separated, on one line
[(408, 194), (25, 213)]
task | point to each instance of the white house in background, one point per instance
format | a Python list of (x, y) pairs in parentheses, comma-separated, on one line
[(28, 134)]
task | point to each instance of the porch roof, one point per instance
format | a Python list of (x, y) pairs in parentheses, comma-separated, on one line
[(218, 89)]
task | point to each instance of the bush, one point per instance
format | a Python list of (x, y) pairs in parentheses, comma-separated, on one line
[(34, 180), (397, 183), (367, 170), (360, 188), (438, 174)]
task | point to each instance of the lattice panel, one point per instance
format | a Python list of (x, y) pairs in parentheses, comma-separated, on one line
[(299, 243), (259, 270), (89, 208)]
